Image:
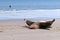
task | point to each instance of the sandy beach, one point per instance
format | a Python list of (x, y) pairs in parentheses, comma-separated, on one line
[(15, 30)]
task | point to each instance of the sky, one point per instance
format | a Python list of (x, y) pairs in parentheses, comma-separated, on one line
[(30, 4)]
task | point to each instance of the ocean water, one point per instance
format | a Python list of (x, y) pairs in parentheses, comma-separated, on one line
[(21, 14), (20, 9), (29, 4)]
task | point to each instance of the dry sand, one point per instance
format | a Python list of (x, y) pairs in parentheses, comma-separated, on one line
[(15, 30)]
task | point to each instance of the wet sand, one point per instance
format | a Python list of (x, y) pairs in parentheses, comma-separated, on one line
[(15, 30)]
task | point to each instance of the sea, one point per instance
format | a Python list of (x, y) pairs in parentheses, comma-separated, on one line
[(29, 9), (29, 14)]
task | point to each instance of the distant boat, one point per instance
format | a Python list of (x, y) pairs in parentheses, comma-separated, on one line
[(9, 6)]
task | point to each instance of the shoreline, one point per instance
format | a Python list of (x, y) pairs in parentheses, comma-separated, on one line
[(22, 22)]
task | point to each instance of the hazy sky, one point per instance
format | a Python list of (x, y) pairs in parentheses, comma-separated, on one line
[(29, 4)]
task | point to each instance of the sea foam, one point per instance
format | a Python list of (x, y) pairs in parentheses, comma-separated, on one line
[(20, 14)]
